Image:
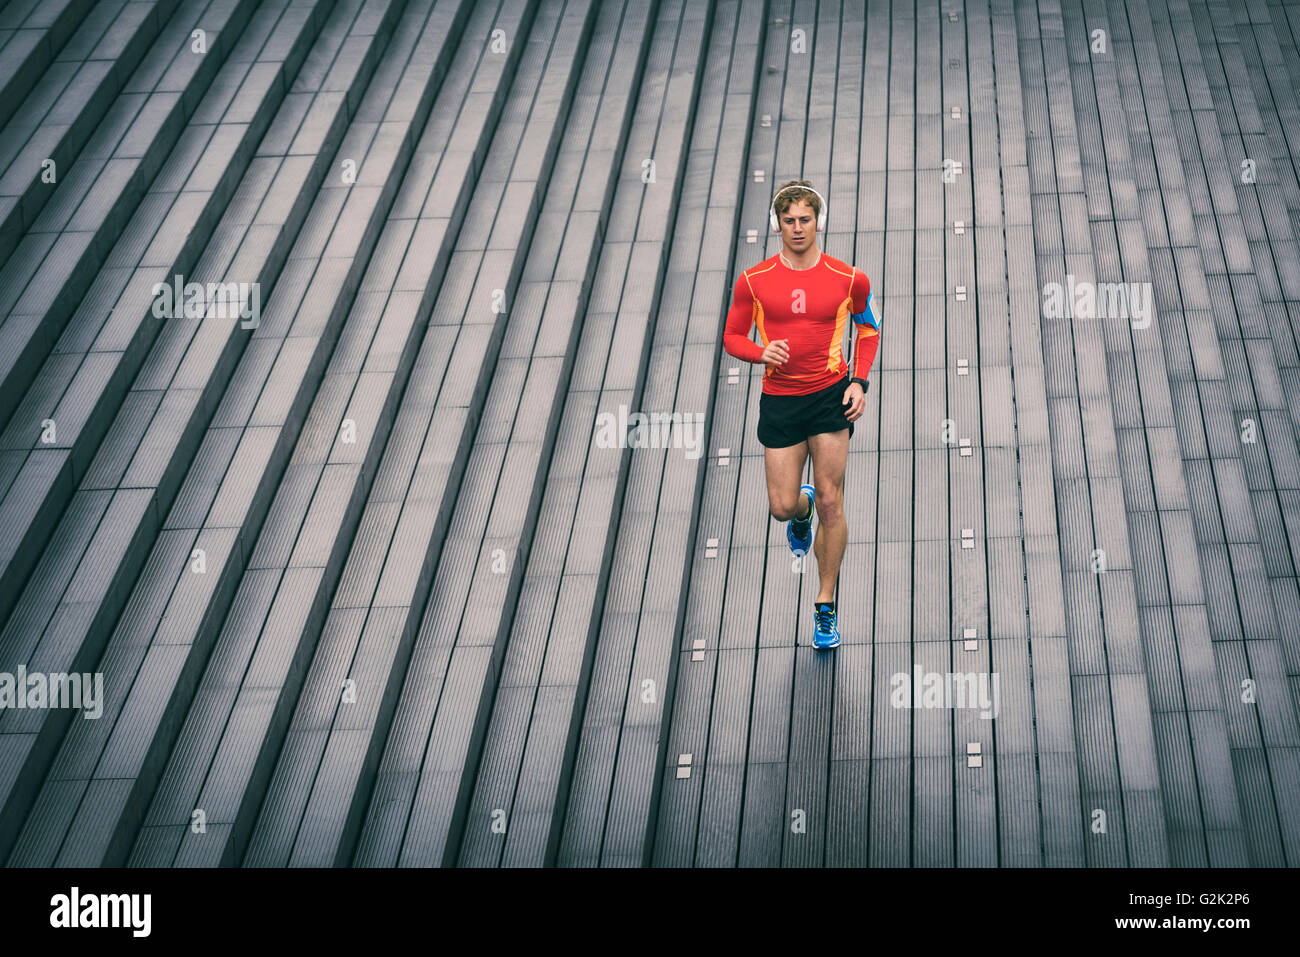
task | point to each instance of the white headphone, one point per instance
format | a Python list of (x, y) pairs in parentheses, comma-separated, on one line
[(821, 217)]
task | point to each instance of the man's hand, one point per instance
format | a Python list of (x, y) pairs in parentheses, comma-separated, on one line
[(776, 353), (856, 400)]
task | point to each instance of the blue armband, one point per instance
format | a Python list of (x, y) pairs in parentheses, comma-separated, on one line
[(865, 318)]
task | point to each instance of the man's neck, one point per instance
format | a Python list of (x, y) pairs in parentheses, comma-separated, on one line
[(805, 260)]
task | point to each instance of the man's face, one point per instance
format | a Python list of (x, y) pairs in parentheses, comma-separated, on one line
[(799, 226)]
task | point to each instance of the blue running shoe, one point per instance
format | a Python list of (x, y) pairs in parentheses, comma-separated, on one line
[(826, 633), (799, 531)]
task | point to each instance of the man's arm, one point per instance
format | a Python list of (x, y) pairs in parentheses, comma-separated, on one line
[(865, 344), (740, 318), (867, 341)]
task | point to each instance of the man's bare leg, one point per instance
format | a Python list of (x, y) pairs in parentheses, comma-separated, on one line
[(830, 455), (784, 477)]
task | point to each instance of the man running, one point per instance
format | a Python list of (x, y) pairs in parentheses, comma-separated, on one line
[(801, 301)]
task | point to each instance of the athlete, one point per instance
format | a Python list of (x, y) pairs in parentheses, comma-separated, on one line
[(801, 301)]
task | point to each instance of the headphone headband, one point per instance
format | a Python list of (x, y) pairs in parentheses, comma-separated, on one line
[(821, 216)]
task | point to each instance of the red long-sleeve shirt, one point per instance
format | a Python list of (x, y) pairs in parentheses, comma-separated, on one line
[(810, 308)]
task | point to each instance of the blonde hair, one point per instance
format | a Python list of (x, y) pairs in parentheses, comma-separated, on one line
[(784, 200)]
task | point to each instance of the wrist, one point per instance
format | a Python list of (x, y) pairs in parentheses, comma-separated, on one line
[(860, 381)]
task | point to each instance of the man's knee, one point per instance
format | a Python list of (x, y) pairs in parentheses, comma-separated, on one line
[(830, 504), (784, 509), (787, 506)]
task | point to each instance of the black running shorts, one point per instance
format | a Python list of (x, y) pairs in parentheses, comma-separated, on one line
[(785, 420)]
